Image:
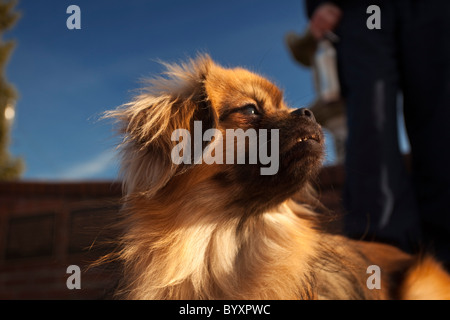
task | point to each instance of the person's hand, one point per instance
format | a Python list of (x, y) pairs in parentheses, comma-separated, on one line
[(324, 19)]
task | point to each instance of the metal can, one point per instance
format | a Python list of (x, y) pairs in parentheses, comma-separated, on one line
[(325, 72)]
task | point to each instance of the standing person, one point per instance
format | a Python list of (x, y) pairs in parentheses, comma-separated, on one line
[(409, 54)]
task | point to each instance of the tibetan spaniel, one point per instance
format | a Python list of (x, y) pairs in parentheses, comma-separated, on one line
[(218, 203)]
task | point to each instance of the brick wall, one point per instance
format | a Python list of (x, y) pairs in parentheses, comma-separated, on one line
[(46, 227)]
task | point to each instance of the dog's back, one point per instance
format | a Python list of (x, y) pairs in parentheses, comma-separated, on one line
[(397, 275)]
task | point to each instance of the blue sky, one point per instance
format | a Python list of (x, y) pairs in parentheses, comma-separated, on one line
[(67, 78)]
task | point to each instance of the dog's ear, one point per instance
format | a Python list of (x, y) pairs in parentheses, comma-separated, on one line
[(147, 123)]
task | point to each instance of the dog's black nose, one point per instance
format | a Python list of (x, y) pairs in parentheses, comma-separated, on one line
[(304, 112)]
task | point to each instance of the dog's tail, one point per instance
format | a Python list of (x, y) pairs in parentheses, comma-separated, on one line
[(426, 280)]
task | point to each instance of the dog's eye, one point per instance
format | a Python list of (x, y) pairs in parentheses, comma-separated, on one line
[(249, 110)]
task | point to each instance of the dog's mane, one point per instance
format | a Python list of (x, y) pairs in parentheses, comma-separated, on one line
[(143, 128), (205, 255)]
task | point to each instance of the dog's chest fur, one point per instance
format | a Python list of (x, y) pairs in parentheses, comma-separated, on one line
[(272, 256)]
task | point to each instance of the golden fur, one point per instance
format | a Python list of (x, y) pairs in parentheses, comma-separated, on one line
[(220, 231)]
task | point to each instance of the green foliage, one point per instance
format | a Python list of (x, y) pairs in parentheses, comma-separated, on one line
[(10, 168)]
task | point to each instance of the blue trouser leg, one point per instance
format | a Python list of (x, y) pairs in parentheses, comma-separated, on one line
[(424, 31), (379, 196)]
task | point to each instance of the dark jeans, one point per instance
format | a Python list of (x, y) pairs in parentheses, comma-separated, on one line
[(410, 55)]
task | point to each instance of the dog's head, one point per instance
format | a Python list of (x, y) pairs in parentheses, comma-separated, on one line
[(226, 132)]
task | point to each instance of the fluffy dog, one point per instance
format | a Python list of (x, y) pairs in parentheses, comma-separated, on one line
[(196, 230)]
